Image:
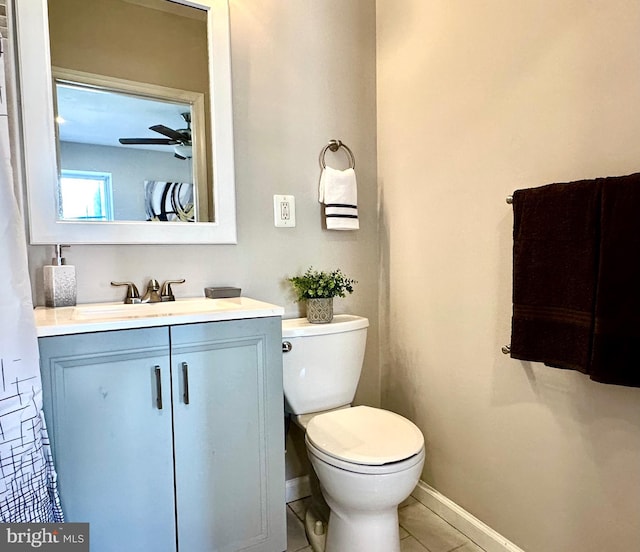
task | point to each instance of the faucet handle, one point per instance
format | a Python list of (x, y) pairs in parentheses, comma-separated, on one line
[(167, 292), (133, 295)]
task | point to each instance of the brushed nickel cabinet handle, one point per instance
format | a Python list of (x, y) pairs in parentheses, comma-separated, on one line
[(185, 374), (159, 387)]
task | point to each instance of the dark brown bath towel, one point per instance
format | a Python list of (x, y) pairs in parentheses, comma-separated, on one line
[(616, 339), (576, 277), (555, 257)]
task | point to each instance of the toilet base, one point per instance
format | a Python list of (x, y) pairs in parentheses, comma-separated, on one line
[(378, 533)]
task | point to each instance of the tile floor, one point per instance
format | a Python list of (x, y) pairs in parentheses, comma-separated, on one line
[(420, 530)]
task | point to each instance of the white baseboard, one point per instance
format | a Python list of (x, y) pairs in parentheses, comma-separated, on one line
[(297, 488), (463, 521)]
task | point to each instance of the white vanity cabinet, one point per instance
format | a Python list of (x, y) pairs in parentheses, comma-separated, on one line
[(170, 438)]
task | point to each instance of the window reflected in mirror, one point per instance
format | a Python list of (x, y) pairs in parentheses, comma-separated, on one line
[(85, 196)]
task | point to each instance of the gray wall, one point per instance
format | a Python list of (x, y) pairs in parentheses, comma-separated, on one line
[(475, 100), (303, 73)]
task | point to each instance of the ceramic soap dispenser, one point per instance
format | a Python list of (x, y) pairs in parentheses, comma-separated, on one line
[(59, 281)]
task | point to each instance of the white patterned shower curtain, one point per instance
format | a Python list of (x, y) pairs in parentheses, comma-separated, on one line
[(28, 491)]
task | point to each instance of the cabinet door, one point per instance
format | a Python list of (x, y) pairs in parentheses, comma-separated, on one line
[(111, 440), (228, 438)]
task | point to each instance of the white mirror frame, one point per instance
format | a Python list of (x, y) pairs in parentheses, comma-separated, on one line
[(40, 151)]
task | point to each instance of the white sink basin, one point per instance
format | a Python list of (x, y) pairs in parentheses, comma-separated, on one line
[(109, 311)]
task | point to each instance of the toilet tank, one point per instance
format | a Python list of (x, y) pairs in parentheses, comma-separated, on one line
[(322, 368)]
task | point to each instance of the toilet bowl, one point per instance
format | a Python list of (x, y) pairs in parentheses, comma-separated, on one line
[(367, 460)]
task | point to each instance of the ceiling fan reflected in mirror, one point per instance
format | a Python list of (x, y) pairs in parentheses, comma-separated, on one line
[(179, 138)]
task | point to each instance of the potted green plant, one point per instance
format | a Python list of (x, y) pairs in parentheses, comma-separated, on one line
[(318, 288)]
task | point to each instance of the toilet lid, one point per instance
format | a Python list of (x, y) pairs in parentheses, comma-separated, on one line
[(365, 435)]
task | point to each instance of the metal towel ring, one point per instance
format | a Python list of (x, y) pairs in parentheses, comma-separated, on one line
[(335, 145)]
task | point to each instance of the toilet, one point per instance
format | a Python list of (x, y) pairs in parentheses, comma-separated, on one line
[(367, 460)]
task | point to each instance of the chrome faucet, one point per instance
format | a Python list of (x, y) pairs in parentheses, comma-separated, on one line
[(153, 293)]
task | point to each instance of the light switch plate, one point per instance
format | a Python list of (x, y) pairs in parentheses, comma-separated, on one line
[(284, 211)]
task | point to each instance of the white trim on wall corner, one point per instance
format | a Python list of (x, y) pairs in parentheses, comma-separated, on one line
[(480, 533), (297, 488)]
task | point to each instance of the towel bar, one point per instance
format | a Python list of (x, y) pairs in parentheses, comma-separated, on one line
[(509, 200), (506, 349), (335, 145)]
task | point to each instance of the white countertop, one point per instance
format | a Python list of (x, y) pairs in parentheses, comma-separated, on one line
[(99, 317)]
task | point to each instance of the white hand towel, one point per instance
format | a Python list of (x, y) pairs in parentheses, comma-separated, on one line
[(339, 193)]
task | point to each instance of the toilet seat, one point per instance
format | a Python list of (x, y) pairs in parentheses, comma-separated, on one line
[(364, 436), (363, 469)]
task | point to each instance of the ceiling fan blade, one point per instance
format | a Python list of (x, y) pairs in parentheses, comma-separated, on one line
[(173, 134), (158, 141)]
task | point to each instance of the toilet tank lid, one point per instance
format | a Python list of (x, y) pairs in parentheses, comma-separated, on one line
[(365, 435), (293, 327)]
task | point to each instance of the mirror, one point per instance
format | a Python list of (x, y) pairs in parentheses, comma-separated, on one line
[(166, 170), (114, 165)]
